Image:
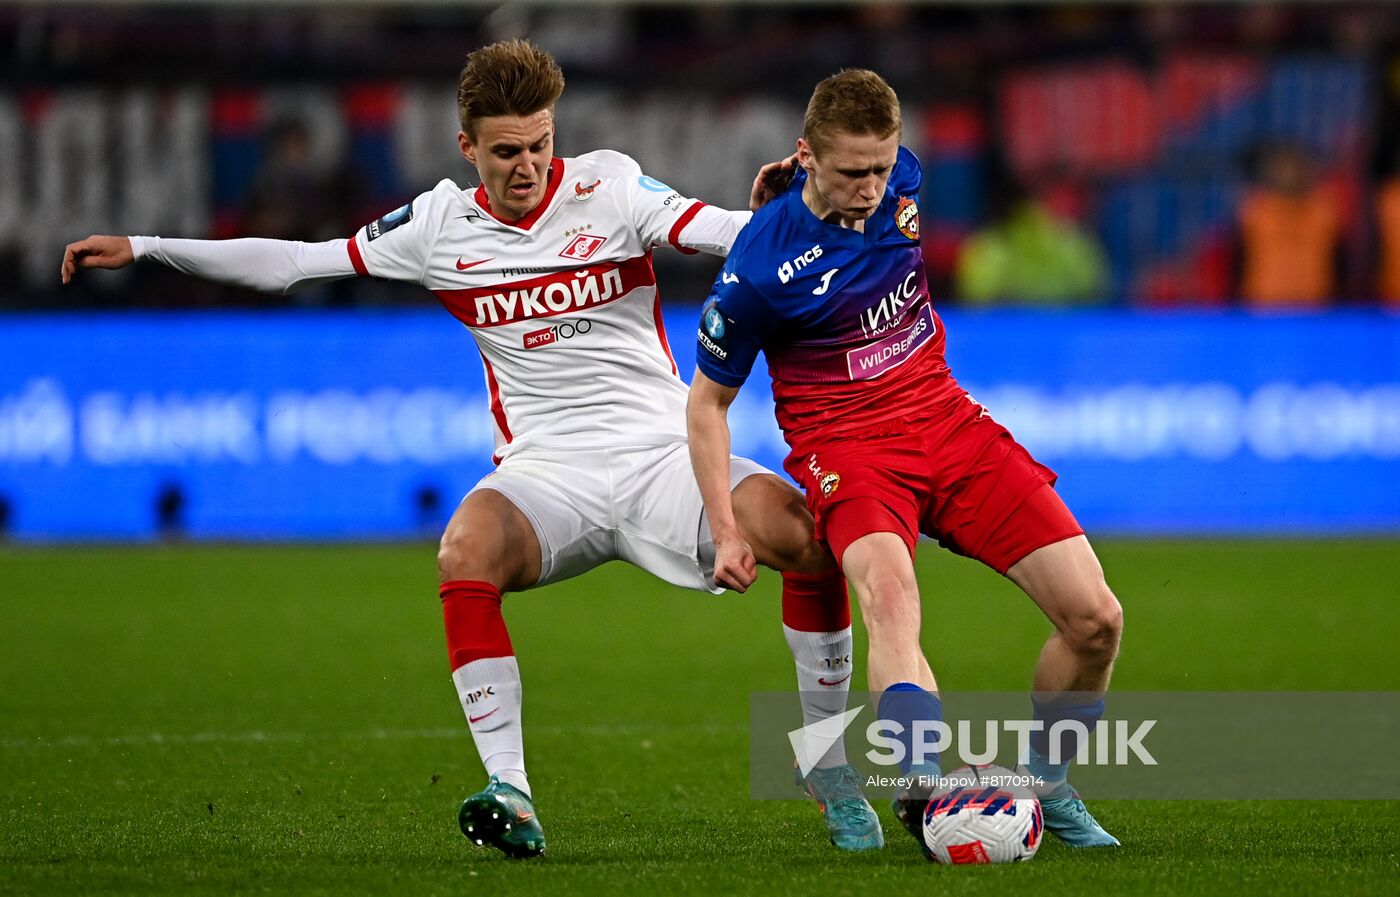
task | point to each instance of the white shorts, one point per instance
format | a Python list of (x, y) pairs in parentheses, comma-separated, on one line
[(638, 504)]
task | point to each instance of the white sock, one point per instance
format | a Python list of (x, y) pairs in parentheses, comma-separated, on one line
[(824, 667), (490, 692)]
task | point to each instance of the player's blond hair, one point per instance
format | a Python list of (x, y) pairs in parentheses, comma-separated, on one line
[(509, 77), (856, 101)]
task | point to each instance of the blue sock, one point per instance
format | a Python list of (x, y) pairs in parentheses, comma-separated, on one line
[(1051, 713), (906, 703)]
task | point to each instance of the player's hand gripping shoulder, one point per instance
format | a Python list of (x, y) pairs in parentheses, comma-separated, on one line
[(96, 251), (772, 180)]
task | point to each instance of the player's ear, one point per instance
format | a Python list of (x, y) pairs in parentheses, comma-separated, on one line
[(805, 154), (464, 143)]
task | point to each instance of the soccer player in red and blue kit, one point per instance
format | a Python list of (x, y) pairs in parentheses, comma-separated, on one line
[(828, 281)]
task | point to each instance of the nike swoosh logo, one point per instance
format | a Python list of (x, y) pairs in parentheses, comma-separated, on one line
[(477, 719), (462, 267), (820, 681)]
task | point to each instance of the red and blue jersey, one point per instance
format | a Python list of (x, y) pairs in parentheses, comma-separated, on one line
[(844, 317)]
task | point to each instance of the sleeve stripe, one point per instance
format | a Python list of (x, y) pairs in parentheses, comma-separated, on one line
[(674, 237), (357, 260)]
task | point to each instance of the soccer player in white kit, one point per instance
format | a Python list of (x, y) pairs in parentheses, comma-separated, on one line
[(548, 264)]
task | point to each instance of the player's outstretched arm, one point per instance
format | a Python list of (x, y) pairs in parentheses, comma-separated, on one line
[(271, 266), (96, 251), (707, 424)]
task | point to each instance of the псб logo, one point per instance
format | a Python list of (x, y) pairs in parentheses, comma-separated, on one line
[(788, 270)]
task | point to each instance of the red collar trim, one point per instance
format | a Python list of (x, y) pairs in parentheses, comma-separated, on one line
[(551, 187)]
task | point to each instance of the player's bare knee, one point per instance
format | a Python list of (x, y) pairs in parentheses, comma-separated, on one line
[(811, 556), (889, 602), (463, 557), (794, 546), (1097, 630), (451, 558)]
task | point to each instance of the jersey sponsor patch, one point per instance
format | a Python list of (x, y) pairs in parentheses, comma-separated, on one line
[(382, 225), (890, 310), (559, 293), (712, 347), (906, 217), (882, 356), (788, 270), (538, 339), (652, 185)]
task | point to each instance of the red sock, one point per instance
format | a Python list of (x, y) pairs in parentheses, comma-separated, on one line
[(817, 628), (816, 602), (471, 612)]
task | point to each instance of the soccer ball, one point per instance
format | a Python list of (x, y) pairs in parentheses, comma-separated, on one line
[(980, 816)]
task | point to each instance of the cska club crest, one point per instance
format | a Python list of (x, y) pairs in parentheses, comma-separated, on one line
[(829, 482), (906, 217)]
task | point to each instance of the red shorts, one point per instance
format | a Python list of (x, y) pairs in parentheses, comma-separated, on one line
[(959, 477)]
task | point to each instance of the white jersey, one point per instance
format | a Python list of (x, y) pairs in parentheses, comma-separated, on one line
[(563, 304), (588, 408)]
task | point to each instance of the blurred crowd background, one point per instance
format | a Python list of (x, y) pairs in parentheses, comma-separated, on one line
[(1103, 160), (1144, 155)]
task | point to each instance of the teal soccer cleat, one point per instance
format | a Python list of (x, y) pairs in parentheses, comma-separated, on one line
[(502, 816), (849, 817), (1069, 820)]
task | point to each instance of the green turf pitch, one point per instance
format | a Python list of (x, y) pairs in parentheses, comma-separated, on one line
[(280, 719)]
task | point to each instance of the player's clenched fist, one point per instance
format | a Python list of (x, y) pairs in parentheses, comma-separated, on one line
[(96, 252), (735, 567)]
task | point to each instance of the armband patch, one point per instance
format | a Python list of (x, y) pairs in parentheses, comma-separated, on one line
[(714, 331), (381, 226)]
